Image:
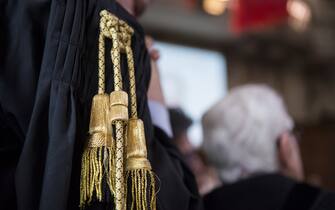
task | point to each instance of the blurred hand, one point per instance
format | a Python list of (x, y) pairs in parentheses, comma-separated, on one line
[(154, 53), (155, 92)]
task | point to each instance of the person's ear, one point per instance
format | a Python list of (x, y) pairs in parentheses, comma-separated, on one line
[(289, 156)]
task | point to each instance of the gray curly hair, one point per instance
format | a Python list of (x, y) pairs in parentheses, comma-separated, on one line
[(241, 132)]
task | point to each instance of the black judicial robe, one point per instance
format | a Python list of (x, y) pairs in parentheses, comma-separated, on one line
[(48, 76), (269, 192)]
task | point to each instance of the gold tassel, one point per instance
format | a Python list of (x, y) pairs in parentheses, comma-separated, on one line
[(97, 161), (139, 175), (99, 153)]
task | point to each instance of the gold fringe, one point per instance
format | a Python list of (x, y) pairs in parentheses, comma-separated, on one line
[(138, 180), (97, 159), (97, 164)]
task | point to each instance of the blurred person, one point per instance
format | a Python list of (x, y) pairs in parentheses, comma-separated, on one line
[(165, 128), (251, 130), (205, 175), (159, 112), (48, 60), (180, 124), (248, 138)]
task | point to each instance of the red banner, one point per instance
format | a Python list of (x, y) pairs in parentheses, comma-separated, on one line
[(249, 14)]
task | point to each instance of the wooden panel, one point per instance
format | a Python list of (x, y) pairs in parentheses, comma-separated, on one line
[(318, 154)]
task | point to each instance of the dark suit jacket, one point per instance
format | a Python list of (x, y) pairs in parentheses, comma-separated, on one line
[(269, 192)]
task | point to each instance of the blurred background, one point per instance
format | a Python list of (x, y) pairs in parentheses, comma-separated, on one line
[(210, 46)]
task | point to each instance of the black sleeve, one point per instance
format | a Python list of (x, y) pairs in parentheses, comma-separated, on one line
[(178, 188), (22, 36), (9, 153), (325, 201)]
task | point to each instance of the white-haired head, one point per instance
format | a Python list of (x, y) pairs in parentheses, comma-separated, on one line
[(241, 132)]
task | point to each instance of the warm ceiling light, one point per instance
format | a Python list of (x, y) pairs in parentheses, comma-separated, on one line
[(215, 7), (300, 13)]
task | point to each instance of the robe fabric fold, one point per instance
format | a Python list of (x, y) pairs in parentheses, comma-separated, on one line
[(48, 76)]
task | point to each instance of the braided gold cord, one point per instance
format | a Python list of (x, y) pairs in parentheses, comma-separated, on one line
[(126, 33), (115, 54), (132, 81), (101, 64), (119, 178), (119, 130)]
